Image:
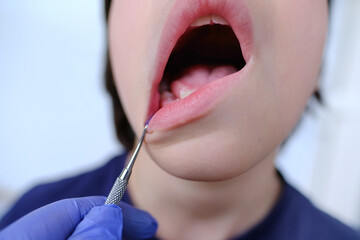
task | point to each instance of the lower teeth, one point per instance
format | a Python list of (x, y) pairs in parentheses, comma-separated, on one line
[(185, 92)]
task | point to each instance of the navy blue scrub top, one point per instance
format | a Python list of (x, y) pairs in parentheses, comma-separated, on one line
[(292, 218)]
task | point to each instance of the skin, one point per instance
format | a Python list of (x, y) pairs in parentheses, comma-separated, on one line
[(228, 182)]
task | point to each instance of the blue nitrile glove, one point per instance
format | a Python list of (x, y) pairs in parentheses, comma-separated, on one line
[(82, 218)]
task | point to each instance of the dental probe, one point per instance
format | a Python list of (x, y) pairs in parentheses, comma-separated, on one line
[(119, 187)]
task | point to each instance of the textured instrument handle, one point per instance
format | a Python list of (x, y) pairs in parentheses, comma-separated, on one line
[(117, 192)]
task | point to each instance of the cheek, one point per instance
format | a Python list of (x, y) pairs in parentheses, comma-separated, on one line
[(130, 46), (134, 31), (125, 53), (290, 40)]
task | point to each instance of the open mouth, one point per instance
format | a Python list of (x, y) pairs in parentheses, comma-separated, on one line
[(206, 52), (200, 59)]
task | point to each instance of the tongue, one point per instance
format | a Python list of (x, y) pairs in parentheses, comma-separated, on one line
[(196, 77)]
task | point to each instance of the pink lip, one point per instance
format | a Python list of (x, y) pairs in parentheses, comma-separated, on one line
[(183, 13)]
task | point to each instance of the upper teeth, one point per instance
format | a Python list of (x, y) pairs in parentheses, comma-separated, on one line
[(209, 20)]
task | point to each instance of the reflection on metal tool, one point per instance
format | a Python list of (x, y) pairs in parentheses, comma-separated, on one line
[(119, 187)]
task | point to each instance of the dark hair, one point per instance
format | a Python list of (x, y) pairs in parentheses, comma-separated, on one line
[(124, 132)]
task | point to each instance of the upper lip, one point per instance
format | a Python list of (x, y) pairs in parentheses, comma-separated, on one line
[(185, 12)]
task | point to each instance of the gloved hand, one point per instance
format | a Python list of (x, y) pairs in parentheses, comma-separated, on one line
[(82, 218)]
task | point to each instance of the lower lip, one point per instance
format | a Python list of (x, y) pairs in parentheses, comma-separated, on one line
[(195, 106)]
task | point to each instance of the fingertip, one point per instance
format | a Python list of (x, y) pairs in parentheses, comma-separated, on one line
[(91, 201), (85, 204), (108, 211), (114, 206), (102, 222), (138, 224), (150, 229)]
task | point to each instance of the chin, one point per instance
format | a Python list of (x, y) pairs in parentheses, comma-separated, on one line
[(201, 152)]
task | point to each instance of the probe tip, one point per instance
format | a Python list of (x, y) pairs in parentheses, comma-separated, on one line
[(148, 121)]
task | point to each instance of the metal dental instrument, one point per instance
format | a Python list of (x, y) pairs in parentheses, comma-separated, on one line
[(119, 187)]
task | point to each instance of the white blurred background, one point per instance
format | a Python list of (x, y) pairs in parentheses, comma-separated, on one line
[(56, 120)]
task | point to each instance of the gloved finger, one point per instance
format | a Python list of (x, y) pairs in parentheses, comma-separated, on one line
[(138, 224), (114, 223), (57, 220), (102, 222)]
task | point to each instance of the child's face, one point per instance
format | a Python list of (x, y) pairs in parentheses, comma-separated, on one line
[(236, 118)]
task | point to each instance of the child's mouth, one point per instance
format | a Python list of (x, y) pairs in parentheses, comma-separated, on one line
[(202, 55), (197, 68)]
